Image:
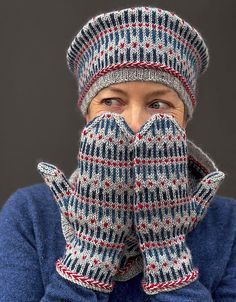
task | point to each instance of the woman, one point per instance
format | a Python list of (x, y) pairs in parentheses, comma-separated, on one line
[(138, 220)]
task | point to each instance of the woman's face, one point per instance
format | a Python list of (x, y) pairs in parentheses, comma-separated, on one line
[(137, 101)]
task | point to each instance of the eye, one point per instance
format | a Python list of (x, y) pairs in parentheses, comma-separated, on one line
[(110, 102), (160, 105)]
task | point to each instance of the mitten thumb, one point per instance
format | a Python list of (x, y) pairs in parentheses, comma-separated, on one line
[(205, 192), (57, 182)]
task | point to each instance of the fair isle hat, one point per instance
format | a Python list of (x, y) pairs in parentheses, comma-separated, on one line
[(140, 43)]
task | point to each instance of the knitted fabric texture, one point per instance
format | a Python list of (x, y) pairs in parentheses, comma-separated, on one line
[(142, 43), (97, 213), (131, 266), (31, 241), (132, 263), (165, 209), (199, 166)]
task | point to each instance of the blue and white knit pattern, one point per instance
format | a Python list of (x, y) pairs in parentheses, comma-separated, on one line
[(165, 209), (141, 43), (199, 165), (97, 214), (130, 182)]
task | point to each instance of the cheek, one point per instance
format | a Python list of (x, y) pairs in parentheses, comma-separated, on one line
[(179, 116), (94, 110), (181, 120)]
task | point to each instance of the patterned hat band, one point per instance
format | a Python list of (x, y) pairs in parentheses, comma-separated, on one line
[(140, 43), (137, 74)]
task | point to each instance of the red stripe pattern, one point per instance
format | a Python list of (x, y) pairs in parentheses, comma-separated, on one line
[(82, 280), (155, 288)]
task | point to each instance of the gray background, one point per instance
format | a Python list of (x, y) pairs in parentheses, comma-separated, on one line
[(38, 115)]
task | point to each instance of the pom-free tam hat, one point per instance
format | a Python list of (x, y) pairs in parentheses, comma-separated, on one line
[(141, 43)]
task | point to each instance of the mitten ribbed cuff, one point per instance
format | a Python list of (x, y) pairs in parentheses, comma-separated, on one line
[(104, 286), (154, 288)]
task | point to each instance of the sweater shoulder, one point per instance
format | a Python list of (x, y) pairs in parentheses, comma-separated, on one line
[(222, 210), (220, 218), (34, 198), (223, 205), (34, 192)]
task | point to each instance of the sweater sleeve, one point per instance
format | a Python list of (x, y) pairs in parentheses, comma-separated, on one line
[(20, 274), (60, 289), (194, 292), (226, 290)]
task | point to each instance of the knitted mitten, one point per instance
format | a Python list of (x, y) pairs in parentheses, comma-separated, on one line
[(97, 214), (165, 210), (131, 263)]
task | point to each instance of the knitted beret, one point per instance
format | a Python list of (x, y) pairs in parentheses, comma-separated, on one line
[(141, 43)]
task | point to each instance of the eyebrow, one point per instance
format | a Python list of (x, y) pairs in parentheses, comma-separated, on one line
[(161, 91)]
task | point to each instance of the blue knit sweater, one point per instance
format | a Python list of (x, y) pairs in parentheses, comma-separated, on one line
[(31, 241)]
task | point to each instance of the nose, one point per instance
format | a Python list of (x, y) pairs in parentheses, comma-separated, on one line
[(135, 117)]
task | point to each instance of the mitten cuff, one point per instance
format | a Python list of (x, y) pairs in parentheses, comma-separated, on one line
[(168, 266), (89, 266), (154, 288), (102, 283)]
